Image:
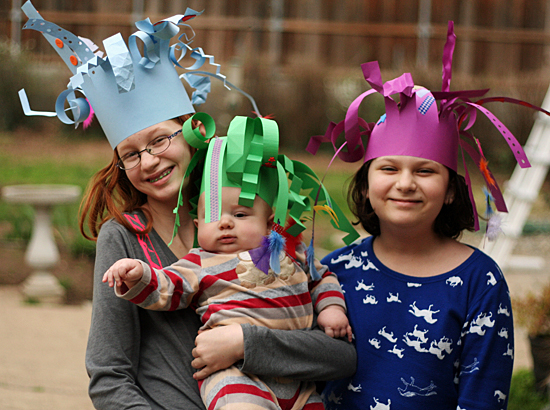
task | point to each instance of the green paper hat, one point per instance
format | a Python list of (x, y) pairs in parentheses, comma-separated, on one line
[(248, 158)]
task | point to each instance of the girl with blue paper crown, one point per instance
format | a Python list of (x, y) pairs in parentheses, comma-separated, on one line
[(431, 317), (136, 358), (245, 271)]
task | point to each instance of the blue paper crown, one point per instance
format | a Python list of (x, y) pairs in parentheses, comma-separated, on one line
[(128, 91)]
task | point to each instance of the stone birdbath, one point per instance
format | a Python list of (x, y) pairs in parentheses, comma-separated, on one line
[(42, 254)]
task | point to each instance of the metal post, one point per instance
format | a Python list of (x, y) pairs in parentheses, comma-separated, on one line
[(546, 61), (276, 32), (15, 17), (137, 10), (424, 32)]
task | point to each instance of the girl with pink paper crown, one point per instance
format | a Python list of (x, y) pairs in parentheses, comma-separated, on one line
[(245, 271), (431, 317), (136, 358)]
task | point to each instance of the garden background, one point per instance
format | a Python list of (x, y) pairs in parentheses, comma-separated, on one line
[(300, 60)]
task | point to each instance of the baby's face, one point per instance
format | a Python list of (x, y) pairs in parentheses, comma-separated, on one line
[(239, 229)]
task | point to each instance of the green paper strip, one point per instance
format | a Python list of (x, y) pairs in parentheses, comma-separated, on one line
[(239, 137), (311, 181), (281, 202), (193, 136)]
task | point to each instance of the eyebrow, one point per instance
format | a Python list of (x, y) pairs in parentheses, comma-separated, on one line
[(151, 135)]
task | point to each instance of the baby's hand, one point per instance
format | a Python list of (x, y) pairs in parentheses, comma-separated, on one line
[(128, 271), (334, 322)]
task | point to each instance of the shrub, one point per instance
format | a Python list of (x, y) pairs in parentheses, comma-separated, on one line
[(523, 395)]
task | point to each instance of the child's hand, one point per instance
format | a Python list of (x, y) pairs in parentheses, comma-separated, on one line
[(128, 271), (334, 322), (217, 349)]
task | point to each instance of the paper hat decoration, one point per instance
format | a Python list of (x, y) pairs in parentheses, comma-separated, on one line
[(127, 91), (248, 158), (417, 126)]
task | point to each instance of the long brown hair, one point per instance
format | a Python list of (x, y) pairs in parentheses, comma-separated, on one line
[(110, 194)]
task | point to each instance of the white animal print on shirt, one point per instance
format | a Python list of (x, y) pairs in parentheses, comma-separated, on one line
[(468, 369), (413, 285), (369, 265), (509, 351), (503, 310), (441, 347), (463, 333), (396, 351), (382, 332), (427, 314), (420, 334), (354, 262), (361, 286), (414, 343), (393, 298), (342, 258), (454, 281), (375, 342), (482, 320), (503, 333), (416, 339), (500, 395), (412, 390), (491, 280), (370, 300), (354, 389), (380, 406)]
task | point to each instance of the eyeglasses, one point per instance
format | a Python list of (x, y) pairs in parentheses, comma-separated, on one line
[(155, 147)]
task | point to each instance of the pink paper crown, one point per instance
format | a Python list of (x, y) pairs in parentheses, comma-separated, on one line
[(416, 126)]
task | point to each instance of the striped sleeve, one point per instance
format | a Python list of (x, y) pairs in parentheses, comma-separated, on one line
[(170, 288), (327, 290)]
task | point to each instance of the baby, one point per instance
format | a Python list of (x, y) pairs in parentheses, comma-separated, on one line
[(239, 229), (244, 272)]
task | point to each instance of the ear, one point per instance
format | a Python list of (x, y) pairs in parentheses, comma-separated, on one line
[(196, 222), (450, 196), (270, 222)]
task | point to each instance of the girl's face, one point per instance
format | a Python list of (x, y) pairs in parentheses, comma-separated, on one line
[(158, 176), (407, 191)]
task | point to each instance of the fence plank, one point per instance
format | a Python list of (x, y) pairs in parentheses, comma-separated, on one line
[(297, 26)]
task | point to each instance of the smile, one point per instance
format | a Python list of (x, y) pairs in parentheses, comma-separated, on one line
[(161, 176), (405, 202)]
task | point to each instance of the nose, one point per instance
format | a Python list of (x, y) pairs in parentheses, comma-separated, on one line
[(406, 182), (225, 222), (148, 161)]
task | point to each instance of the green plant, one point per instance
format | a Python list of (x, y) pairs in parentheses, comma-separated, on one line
[(66, 283), (523, 395), (30, 300), (81, 246)]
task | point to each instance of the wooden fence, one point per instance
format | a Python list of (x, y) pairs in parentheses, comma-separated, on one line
[(494, 36)]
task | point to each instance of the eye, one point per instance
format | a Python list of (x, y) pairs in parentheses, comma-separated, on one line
[(425, 171), (130, 156), (240, 215), (157, 142)]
